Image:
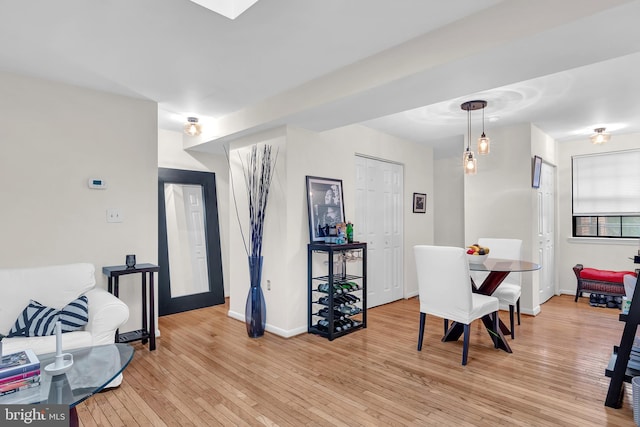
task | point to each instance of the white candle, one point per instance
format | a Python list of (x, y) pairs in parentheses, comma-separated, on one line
[(58, 338)]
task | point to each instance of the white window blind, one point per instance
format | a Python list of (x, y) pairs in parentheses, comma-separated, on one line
[(607, 184)]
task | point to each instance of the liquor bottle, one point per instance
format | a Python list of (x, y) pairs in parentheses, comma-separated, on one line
[(324, 312), (354, 286), (346, 287), (324, 287), (341, 300), (350, 233), (352, 298)]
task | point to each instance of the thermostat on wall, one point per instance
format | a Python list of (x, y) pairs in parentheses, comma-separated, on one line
[(96, 183)]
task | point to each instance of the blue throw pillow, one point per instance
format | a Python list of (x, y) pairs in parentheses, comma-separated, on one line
[(37, 320)]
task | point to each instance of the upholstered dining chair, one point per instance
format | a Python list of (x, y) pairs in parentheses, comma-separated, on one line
[(629, 281), (444, 288), (509, 291)]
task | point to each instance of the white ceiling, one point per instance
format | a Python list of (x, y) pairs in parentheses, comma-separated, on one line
[(401, 66)]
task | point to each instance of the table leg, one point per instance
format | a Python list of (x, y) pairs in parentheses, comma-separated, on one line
[(73, 417), (144, 305), (115, 283), (488, 287), (152, 314), (496, 334), (457, 329)]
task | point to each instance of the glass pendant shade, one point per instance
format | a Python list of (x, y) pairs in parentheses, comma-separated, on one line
[(192, 127), (600, 137), (470, 163), (483, 144)]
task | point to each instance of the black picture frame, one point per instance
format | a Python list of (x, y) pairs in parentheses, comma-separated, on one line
[(419, 203), (535, 171), (325, 203)]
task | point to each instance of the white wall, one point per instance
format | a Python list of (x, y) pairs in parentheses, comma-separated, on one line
[(499, 201), (54, 138), (172, 155), (328, 154), (596, 253), (448, 200)]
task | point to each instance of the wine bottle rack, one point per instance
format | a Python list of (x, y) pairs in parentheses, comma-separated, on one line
[(337, 301)]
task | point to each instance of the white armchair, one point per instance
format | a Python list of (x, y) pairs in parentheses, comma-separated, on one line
[(444, 286)]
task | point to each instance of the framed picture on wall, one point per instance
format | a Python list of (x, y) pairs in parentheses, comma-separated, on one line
[(419, 203), (535, 172), (325, 203)]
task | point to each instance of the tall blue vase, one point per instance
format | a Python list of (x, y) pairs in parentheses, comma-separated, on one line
[(255, 314)]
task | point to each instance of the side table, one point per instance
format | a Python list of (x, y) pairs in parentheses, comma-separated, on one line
[(148, 331)]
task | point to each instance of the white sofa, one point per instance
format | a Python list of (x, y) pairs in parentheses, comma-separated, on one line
[(56, 286)]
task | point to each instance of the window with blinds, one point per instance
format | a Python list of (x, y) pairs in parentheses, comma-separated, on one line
[(606, 194)]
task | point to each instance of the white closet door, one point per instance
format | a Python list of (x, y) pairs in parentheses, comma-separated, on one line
[(379, 224), (546, 232)]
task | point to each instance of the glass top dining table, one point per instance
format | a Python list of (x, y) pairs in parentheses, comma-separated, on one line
[(498, 269), (508, 265)]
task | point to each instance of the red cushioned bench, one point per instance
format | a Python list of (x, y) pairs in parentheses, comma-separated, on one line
[(604, 282)]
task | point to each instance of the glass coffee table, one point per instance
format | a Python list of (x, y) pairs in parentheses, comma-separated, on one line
[(93, 368)]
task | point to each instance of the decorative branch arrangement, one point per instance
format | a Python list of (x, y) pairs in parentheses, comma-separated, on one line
[(258, 171)]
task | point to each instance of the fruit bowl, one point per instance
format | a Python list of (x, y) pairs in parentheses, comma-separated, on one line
[(476, 259)]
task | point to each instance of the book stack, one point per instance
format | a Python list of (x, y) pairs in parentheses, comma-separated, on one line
[(19, 371)]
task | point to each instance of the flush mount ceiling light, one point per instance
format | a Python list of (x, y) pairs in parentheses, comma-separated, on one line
[(600, 137), (192, 127), (228, 8), (469, 162)]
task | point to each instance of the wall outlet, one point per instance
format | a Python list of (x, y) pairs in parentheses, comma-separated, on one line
[(114, 215), (268, 285)]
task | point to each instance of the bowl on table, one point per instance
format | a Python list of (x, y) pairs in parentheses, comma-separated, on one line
[(476, 259)]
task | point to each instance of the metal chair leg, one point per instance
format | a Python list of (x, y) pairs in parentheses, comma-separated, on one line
[(518, 308)]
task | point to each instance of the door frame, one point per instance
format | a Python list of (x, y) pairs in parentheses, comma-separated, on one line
[(215, 296)]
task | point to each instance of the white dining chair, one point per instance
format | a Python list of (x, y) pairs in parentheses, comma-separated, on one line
[(629, 281), (510, 290), (444, 287)]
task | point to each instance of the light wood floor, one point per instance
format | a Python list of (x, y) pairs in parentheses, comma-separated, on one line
[(207, 372)]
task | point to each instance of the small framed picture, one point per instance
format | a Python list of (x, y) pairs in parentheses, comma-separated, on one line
[(419, 203), (326, 206), (536, 170)]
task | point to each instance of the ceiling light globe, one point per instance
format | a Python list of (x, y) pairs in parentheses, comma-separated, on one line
[(600, 137), (192, 127)]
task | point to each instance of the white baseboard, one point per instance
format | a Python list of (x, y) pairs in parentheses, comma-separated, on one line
[(411, 295), (270, 328)]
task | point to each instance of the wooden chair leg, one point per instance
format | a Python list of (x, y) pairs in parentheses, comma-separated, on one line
[(511, 322), (518, 308), (421, 333), (446, 326), (465, 345)]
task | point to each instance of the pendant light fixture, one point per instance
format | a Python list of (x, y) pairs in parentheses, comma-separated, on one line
[(600, 137), (483, 141), (469, 162), (192, 127)]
